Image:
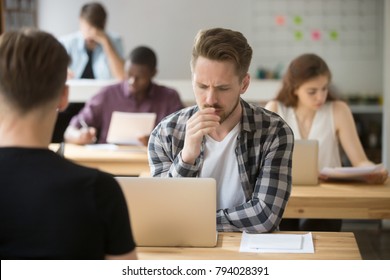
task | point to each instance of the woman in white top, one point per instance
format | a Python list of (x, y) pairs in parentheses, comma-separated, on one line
[(306, 104)]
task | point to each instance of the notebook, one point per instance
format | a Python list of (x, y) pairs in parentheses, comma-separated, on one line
[(171, 212), (305, 162), (126, 128)]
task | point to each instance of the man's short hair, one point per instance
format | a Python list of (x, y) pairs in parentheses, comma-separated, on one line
[(144, 56), (95, 14), (33, 68), (223, 45)]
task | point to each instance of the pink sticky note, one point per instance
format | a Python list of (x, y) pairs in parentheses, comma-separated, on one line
[(316, 35), (280, 20)]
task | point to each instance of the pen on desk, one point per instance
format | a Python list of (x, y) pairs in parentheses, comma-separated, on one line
[(85, 126)]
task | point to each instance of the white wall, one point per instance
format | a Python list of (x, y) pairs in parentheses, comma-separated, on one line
[(169, 26)]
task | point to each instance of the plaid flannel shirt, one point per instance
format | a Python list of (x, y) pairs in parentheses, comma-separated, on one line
[(264, 153)]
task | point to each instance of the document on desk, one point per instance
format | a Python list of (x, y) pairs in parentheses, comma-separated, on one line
[(114, 147), (110, 147), (126, 128), (276, 243)]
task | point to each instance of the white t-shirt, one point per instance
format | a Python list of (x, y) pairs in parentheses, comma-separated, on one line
[(220, 163), (322, 129)]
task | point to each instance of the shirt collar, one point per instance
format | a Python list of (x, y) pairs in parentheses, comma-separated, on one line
[(248, 121)]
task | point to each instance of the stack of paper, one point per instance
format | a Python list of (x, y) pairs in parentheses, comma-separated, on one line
[(277, 243)]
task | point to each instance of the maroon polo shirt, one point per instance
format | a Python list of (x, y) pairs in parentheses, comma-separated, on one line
[(98, 110)]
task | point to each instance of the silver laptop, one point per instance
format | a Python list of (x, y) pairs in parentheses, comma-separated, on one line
[(126, 128), (305, 162), (179, 212)]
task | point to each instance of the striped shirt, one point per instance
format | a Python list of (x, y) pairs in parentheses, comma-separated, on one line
[(264, 152)]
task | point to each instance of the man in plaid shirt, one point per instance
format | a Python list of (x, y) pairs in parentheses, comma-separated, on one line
[(246, 148)]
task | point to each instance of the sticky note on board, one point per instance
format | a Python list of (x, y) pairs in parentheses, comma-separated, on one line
[(316, 35), (280, 20), (334, 35), (298, 20), (298, 35)]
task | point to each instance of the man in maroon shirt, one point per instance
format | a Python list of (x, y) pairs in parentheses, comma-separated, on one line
[(136, 94)]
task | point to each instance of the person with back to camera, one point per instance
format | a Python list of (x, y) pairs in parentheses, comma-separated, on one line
[(136, 94), (50, 208), (313, 112), (247, 149), (95, 54)]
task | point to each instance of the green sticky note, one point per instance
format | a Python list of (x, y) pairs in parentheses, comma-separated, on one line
[(298, 35), (298, 20), (334, 35)]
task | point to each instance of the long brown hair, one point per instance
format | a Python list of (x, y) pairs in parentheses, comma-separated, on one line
[(302, 69)]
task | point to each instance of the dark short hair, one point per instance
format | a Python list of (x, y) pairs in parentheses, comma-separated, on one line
[(95, 14), (302, 69), (223, 45), (143, 55), (33, 68)]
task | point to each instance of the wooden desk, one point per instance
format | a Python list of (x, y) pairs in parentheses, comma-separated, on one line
[(327, 246), (340, 201), (126, 160), (326, 200)]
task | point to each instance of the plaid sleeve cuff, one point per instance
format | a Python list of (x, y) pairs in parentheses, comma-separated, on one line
[(182, 169)]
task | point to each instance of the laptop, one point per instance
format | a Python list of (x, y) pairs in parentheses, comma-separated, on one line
[(171, 212), (125, 128), (305, 162)]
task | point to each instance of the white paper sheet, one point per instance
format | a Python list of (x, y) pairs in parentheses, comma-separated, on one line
[(114, 147), (125, 128), (111, 147), (350, 172), (277, 243)]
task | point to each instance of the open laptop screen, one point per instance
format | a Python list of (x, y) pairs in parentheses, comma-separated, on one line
[(305, 162), (171, 211)]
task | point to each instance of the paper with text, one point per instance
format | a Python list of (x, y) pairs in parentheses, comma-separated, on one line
[(127, 128), (276, 243), (111, 147), (114, 147)]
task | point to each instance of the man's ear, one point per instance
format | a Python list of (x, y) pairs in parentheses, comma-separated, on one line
[(245, 83), (64, 99)]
